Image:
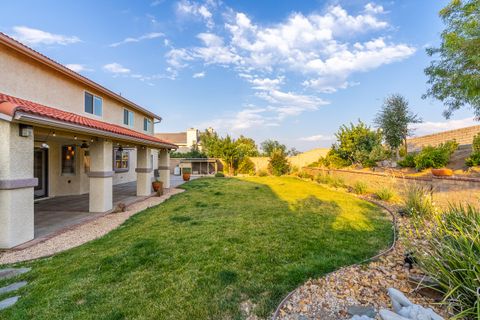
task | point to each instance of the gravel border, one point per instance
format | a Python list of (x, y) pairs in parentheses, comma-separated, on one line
[(82, 233), (394, 243)]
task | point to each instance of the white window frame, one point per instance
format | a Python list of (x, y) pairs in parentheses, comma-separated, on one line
[(149, 125), (131, 120), (93, 104)]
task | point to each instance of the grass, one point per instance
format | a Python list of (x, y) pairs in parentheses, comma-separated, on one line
[(385, 194), (203, 253)]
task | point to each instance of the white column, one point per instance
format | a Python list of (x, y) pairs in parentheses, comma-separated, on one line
[(16, 186), (164, 167), (144, 172), (101, 176)]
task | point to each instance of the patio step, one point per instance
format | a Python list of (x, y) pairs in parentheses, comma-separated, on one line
[(8, 302), (12, 272), (13, 287)]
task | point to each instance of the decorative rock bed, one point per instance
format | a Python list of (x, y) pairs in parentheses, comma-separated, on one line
[(359, 289)]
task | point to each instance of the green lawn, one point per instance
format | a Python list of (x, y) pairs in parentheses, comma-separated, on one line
[(204, 252)]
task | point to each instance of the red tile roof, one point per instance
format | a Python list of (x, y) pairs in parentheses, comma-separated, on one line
[(10, 105)]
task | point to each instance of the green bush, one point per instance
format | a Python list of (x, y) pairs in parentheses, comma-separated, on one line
[(305, 175), (333, 161), (408, 161), (418, 201), (278, 164), (219, 174), (450, 254), (330, 180), (360, 187), (262, 173), (385, 194), (246, 166), (186, 170), (435, 157), (474, 158)]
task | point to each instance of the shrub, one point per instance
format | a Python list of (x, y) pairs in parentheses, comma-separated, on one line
[(418, 201), (262, 173), (333, 160), (385, 194), (219, 174), (450, 255), (246, 166), (408, 161), (474, 158), (305, 175), (278, 164), (360, 187), (330, 180), (435, 157)]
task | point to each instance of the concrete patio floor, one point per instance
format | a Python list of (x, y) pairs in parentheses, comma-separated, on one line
[(57, 214)]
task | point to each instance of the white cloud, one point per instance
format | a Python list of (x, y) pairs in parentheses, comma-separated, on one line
[(214, 51), (430, 127), (199, 75), (318, 137), (31, 36), (116, 68), (177, 58), (77, 67), (148, 36), (266, 83), (373, 8), (186, 8)]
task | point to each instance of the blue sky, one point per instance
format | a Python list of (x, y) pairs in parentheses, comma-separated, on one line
[(288, 70)]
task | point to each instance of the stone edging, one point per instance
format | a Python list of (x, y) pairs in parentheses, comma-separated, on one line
[(395, 238)]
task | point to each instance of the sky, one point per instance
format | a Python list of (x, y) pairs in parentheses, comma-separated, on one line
[(293, 71)]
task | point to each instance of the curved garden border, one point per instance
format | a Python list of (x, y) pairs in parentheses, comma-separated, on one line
[(394, 243)]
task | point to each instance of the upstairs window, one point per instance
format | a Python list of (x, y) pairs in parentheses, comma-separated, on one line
[(93, 104), (147, 125), (127, 117)]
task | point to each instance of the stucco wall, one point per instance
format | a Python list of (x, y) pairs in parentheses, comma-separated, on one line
[(463, 136), (28, 79), (299, 161)]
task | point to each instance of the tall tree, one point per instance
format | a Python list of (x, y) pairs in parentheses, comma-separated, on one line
[(455, 76), (269, 146), (394, 118)]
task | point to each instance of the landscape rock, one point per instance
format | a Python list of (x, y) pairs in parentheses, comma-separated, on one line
[(8, 302), (13, 287), (12, 272), (358, 310), (404, 307)]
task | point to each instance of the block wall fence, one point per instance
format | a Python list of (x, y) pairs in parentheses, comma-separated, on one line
[(463, 136)]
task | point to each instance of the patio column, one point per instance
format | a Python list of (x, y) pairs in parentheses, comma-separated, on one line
[(164, 167), (144, 172), (101, 176), (16, 185)]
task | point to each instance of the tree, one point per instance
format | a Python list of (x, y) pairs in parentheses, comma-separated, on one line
[(228, 152), (268, 146), (455, 77), (393, 119), (293, 152), (246, 147), (278, 164), (355, 144)]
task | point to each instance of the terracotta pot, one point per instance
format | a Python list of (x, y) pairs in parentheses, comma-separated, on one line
[(444, 172), (186, 176), (157, 185)]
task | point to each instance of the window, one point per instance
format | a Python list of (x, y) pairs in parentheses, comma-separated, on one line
[(121, 160), (93, 104), (128, 117), (68, 160), (147, 125)]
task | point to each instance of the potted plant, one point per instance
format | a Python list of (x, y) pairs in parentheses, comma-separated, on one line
[(157, 185), (186, 173)]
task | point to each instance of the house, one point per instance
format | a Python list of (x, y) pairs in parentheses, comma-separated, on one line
[(186, 141), (62, 134)]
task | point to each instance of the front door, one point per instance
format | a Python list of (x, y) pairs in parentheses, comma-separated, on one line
[(40, 171)]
